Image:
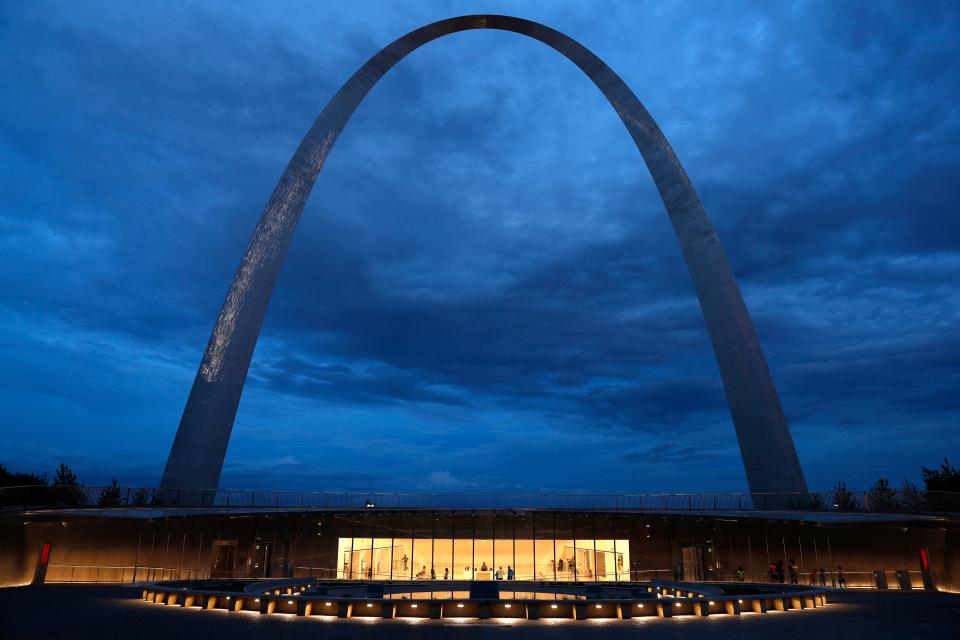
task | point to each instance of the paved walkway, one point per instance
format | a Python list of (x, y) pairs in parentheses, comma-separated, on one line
[(56, 612)]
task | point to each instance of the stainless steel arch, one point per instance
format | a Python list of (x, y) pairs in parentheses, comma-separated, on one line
[(769, 457)]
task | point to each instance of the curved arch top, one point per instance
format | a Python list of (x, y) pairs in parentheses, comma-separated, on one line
[(769, 456)]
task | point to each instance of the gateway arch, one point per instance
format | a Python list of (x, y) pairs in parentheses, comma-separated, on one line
[(769, 456)]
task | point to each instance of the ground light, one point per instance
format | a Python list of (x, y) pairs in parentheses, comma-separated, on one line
[(608, 601)]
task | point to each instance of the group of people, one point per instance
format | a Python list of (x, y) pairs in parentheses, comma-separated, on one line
[(816, 577), (499, 574), (777, 573)]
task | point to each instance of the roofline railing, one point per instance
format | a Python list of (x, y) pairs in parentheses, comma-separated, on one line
[(38, 497)]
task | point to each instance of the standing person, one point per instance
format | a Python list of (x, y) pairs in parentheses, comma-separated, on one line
[(823, 577), (780, 572), (794, 572), (740, 574), (813, 577), (560, 565), (510, 573), (841, 579), (433, 573), (773, 571), (446, 573)]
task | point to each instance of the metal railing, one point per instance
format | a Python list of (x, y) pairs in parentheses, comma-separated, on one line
[(58, 497), (97, 574)]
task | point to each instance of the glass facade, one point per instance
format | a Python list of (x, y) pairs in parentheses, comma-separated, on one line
[(487, 558)]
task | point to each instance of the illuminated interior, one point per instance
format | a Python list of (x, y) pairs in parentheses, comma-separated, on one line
[(479, 559)]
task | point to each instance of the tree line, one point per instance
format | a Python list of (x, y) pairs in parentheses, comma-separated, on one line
[(66, 489)]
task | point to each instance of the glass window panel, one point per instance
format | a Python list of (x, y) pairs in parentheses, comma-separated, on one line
[(564, 547), (362, 569), (463, 558), (606, 561), (503, 544), (523, 548), (402, 558), (381, 558), (483, 558), (343, 554), (483, 546), (442, 558), (422, 558), (503, 552), (584, 565), (545, 565), (543, 547)]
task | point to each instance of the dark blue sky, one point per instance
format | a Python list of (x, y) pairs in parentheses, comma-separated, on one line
[(484, 293)]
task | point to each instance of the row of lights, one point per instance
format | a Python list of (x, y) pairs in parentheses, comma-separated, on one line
[(508, 605)]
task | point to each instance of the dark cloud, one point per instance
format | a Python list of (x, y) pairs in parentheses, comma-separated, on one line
[(668, 453), (484, 286)]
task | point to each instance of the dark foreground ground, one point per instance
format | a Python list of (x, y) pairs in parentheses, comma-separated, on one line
[(60, 611)]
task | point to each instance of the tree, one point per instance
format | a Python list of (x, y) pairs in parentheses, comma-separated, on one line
[(881, 496), (21, 489), (110, 496), (843, 498), (19, 479), (946, 478), (815, 502), (65, 477), (66, 488), (911, 498)]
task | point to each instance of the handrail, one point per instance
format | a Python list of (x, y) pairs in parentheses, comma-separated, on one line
[(86, 497)]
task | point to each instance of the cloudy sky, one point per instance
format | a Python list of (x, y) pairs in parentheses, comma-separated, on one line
[(484, 293)]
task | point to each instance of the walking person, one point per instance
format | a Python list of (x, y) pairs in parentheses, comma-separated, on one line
[(794, 572)]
